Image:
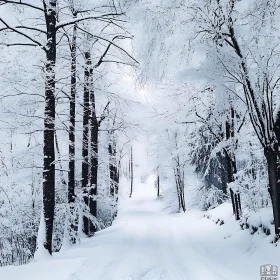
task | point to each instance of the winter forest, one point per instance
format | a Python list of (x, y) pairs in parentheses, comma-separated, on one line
[(139, 139)]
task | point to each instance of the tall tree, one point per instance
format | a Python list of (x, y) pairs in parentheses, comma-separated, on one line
[(50, 9), (85, 146), (72, 227), (91, 124), (94, 133), (258, 87)]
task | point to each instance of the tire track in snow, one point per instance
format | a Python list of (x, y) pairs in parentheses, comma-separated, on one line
[(132, 260), (174, 269)]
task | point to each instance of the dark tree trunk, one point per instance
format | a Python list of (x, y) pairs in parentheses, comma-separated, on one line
[(231, 164), (274, 185), (129, 166), (183, 198), (158, 186), (73, 228), (178, 189), (49, 126), (117, 181), (111, 168), (94, 129), (230, 156), (182, 190), (85, 163), (237, 206), (63, 182), (232, 201), (114, 173), (231, 171), (180, 186), (131, 172)]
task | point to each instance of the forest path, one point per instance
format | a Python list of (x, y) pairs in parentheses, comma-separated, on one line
[(146, 243)]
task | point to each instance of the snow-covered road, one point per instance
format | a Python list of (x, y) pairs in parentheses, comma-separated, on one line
[(147, 243)]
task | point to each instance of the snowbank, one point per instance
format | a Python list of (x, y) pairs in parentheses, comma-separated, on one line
[(145, 242)]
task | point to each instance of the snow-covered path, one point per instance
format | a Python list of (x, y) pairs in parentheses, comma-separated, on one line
[(147, 243)]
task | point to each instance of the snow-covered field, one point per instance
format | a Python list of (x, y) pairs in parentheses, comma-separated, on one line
[(145, 242)]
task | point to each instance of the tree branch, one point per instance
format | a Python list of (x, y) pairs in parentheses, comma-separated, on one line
[(18, 44), (103, 55), (3, 2), (68, 22), (23, 34), (112, 43), (103, 116), (31, 28)]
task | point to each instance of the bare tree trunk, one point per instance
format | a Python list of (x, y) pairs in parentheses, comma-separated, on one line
[(72, 226), (183, 189), (183, 198), (231, 163), (182, 194), (63, 182), (178, 189), (274, 185), (49, 127), (85, 163), (117, 187), (232, 201), (114, 173), (131, 172), (237, 206), (158, 186), (111, 168), (93, 163)]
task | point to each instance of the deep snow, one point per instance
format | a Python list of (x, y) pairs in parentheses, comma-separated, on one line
[(145, 242)]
